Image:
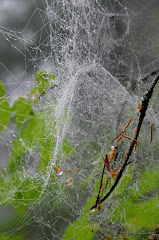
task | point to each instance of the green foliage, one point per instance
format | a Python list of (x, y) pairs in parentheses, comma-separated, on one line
[(4, 109), (139, 203), (21, 182), (19, 188), (2, 90), (22, 109), (147, 182), (133, 205), (9, 237), (43, 81), (82, 228), (34, 134), (4, 113), (28, 139), (125, 181)]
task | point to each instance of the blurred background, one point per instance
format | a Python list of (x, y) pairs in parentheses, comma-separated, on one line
[(25, 40), (23, 35)]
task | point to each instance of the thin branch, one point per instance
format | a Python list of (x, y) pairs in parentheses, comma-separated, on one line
[(101, 181), (123, 135), (145, 102), (122, 132)]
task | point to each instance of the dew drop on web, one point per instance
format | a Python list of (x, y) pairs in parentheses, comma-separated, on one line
[(93, 210), (60, 173)]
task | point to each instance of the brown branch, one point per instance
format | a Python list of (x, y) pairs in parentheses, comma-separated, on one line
[(122, 132), (145, 102), (60, 170), (128, 137)]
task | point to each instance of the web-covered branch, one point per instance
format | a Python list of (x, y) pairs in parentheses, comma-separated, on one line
[(143, 108)]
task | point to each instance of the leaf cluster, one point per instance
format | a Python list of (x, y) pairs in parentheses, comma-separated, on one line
[(32, 147)]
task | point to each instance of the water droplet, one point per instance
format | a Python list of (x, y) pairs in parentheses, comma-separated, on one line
[(93, 210), (60, 173)]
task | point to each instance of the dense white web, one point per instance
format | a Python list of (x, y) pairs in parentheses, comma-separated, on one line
[(104, 56)]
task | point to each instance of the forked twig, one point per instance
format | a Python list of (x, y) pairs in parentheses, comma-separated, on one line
[(122, 132), (142, 112), (123, 135)]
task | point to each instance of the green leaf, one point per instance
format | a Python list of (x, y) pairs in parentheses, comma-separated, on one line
[(146, 214), (42, 76), (28, 191), (38, 135), (28, 138), (139, 215), (22, 109), (4, 114), (45, 152), (148, 181), (125, 180), (10, 237), (19, 189), (67, 148), (43, 81), (82, 228), (139, 204), (2, 89)]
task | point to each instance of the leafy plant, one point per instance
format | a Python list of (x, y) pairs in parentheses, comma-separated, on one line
[(21, 182), (24, 181)]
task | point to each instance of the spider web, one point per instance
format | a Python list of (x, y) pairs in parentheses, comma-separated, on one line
[(104, 56)]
